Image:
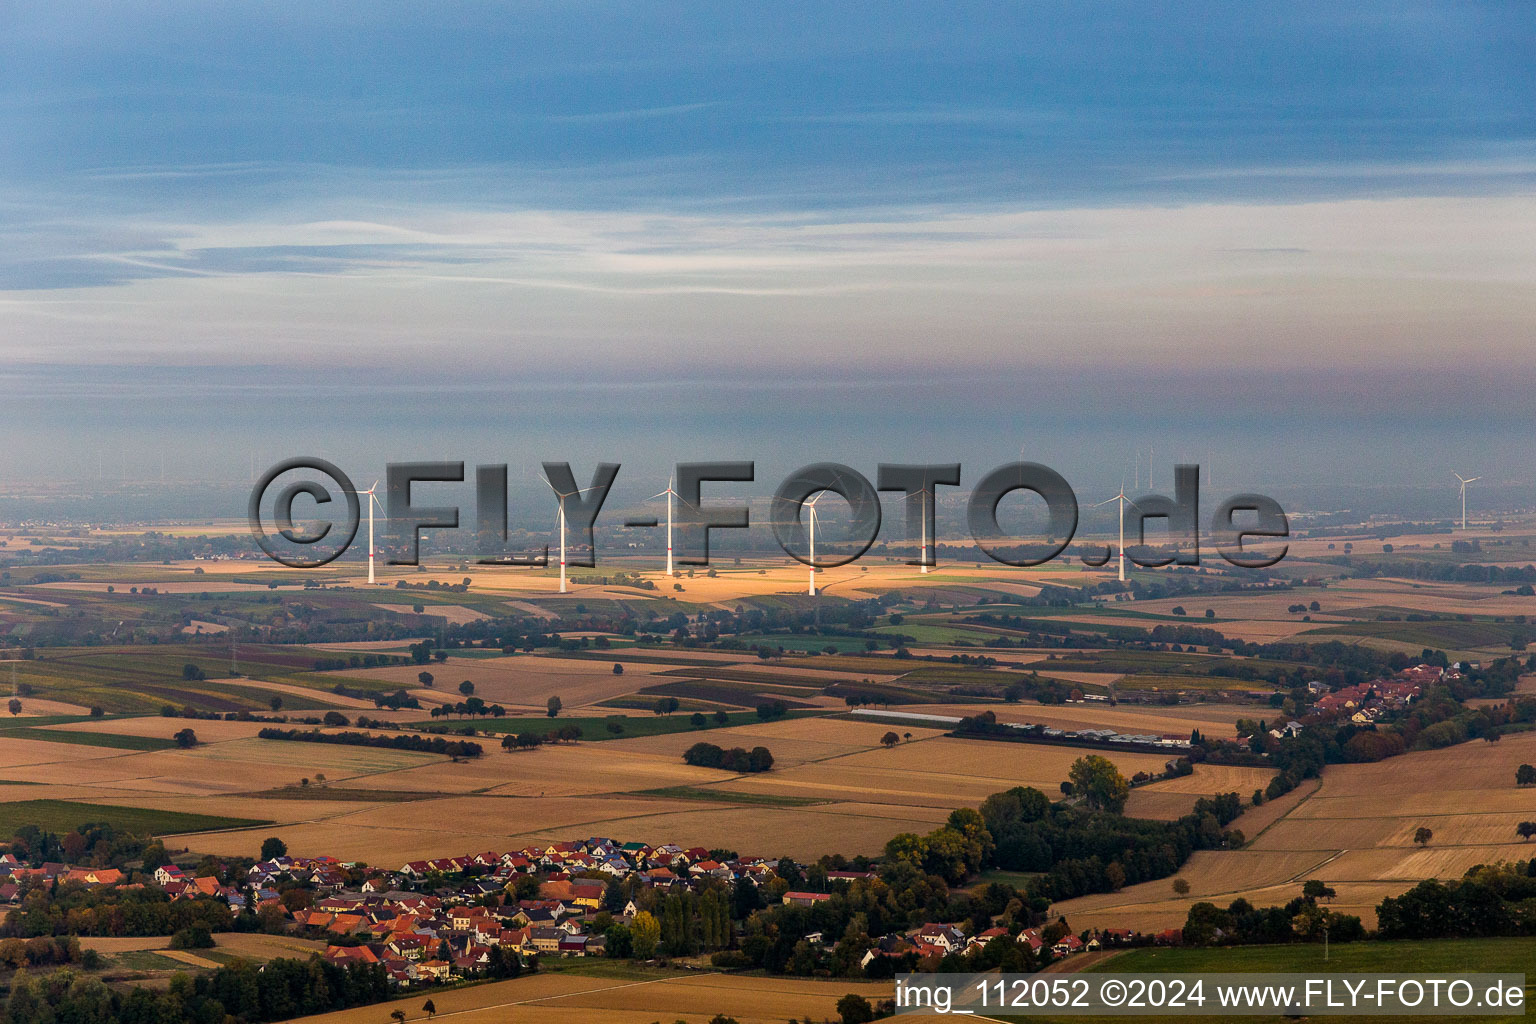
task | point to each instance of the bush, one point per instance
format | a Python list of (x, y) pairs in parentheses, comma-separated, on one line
[(730, 959), (192, 937)]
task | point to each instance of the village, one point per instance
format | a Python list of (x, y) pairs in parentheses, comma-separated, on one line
[(447, 919)]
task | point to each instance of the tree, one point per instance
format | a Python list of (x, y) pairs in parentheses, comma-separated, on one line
[(273, 847), (96, 711), (1181, 886), (1525, 775), (185, 739), (889, 740), (466, 687), (1314, 889), (276, 703), (335, 719), (425, 678), (1100, 783), (618, 669), (1423, 835), (15, 706), (855, 1009), (398, 1015), (552, 706), (1526, 829), (697, 720), (645, 933), (429, 1008), (191, 673)]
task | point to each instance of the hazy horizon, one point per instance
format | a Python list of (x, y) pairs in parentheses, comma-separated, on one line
[(1294, 244)]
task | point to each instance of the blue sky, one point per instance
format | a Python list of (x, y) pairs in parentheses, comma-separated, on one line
[(1266, 221)]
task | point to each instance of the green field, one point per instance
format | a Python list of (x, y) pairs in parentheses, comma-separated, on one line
[(93, 739), (1445, 634), (931, 633), (1162, 683), (805, 642), (141, 679), (1512, 956), (1494, 955), (64, 815)]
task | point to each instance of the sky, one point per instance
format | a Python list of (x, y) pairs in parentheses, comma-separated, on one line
[(1294, 241)]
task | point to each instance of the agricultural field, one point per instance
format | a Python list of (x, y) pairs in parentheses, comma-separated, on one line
[(1218, 720), (523, 680), (629, 996), (1355, 832), (63, 815)]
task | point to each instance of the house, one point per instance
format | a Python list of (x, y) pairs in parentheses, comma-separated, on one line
[(545, 940), (434, 970), (165, 875), (1067, 945), (344, 955), (942, 936), (980, 940), (1032, 938), (806, 899), (587, 894)]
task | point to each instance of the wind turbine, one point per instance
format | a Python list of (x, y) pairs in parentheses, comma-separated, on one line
[(670, 494), (812, 506), (1123, 501), (922, 558), (560, 516), (372, 501), (1464, 482)]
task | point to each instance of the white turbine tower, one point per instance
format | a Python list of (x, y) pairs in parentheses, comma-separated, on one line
[(670, 494), (560, 517), (1464, 482), (812, 506), (1123, 501), (372, 501), (922, 557)]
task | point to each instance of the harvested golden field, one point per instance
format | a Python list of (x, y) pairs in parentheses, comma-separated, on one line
[(1007, 762), (1218, 875), (1145, 802), (165, 728), (34, 706), (584, 999), (526, 680), (554, 770), (447, 826), (257, 946), (804, 833), (309, 693), (16, 753), (455, 614), (1176, 720), (1209, 779), (1355, 832), (1359, 899), (792, 741), (937, 772)]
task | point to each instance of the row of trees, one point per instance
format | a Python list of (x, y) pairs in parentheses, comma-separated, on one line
[(279, 990), (436, 745), (736, 759)]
